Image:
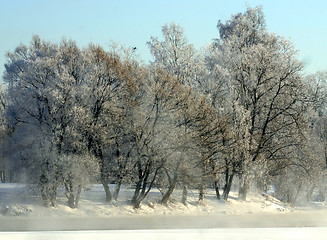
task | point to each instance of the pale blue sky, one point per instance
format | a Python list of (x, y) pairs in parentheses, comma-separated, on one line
[(132, 23)]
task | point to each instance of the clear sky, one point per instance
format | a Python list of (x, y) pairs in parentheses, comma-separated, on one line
[(133, 22)]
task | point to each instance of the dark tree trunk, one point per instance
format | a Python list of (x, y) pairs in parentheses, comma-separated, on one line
[(184, 194), (117, 189), (137, 203), (71, 200), (3, 177), (228, 186), (171, 188), (53, 195), (138, 196), (95, 148), (167, 195), (217, 189), (105, 184), (142, 190), (70, 194)]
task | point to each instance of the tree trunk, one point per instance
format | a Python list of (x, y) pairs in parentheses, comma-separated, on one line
[(138, 197), (136, 203), (217, 189), (78, 195), (3, 176), (96, 149), (105, 184), (53, 196), (140, 194), (228, 186), (171, 188), (71, 200), (45, 196), (167, 195), (201, 193), (50, 194), (184, 194), (243, 188), (44, 190), (117, 189), (310, 192), (70, 194)]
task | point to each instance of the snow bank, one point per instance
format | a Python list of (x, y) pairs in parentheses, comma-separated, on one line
[(18, 200)]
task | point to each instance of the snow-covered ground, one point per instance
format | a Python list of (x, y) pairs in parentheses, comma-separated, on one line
[(260, 217), (189, 234), (18, 200), (22, 210)]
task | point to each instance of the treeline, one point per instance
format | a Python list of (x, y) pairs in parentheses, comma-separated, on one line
[(240, 108)]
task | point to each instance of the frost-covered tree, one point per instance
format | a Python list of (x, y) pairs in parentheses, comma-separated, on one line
[(42, 107), (313, 153), (4, 167), (266, 92), (155, 133), (176, 55), (107, 97)]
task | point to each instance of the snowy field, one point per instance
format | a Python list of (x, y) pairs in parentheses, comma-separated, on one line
[(260, 217)]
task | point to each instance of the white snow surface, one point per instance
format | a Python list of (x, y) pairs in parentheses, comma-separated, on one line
[(173, 234), (20, 200)]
